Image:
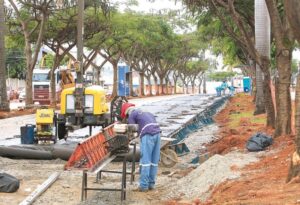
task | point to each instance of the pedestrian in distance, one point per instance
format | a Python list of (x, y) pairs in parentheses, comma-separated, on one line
[(149, 134)]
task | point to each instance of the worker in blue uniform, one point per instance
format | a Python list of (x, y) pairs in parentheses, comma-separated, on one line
[(149, 133)]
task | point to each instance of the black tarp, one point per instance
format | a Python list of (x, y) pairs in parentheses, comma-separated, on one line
[(8, 183)]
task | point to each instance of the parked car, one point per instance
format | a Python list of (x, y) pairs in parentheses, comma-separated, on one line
[(22, 94)]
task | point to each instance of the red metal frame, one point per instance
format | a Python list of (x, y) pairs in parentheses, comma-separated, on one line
[(91, 151)]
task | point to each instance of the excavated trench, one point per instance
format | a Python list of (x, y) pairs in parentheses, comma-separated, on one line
[(178, 117)]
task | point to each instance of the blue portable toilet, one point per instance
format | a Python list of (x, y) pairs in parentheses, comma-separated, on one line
[(123, 80), (247, 84)]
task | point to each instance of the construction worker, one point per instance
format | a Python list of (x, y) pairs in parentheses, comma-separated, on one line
[(219, 89), (149, 133), (224, 86), (231, 90)]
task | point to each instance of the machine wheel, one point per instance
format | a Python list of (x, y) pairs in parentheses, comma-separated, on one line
[(115, 108), (168, 157), (61, 130)]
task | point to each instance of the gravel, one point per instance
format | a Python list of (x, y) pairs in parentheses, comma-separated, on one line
[(215, 170)]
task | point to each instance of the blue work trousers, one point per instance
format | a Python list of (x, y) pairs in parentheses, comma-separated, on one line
[(150, 151)]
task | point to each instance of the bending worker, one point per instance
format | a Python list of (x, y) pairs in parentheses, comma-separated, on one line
[(149, 133)]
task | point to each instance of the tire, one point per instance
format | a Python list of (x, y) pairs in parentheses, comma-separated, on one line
[(168, 158)]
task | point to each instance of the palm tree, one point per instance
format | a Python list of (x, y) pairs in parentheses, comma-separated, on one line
[(3, 95), (262, 44)]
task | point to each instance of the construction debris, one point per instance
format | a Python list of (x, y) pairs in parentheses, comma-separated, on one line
[(34, 195)]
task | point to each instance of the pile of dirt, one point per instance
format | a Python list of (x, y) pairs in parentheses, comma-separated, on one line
[(15, 113), (235, 134), (263, 182)]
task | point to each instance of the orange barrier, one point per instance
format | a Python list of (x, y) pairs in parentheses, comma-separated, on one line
[(91, 151)]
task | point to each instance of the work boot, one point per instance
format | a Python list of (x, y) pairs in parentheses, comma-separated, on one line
[(139, 189)]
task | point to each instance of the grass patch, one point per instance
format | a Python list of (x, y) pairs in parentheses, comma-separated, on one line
[(235, 118)]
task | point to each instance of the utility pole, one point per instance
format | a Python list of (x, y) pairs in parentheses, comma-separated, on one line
[(79, 87)]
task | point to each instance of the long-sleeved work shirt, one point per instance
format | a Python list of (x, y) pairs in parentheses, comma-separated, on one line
[(146, 121)]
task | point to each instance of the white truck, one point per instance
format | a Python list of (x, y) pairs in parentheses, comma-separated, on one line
[(41, 84)]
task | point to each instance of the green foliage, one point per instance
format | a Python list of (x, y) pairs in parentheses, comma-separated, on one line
[(219, 76), (49, 60), (15, 63), (15, 59), (213, 31)]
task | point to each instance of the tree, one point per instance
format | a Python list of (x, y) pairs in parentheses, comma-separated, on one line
[(292, 11), (15, 62), (262, 44), (32, 17), (4, 105), (284, 42), (59, 38), (238, 21), (292, 8)]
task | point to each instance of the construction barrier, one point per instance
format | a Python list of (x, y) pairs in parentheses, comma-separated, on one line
[(92, 151), (200, 120)]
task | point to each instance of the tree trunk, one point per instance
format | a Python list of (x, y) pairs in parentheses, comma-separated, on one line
[(292, 8), (52, 87), (97, 76), (167, 86), (142, 80), (269, 100), (187, 88), (175, 87), (200, 82), (204, 84), (283, 119), (161, 80), (193, 87), (156, 85), (260, 98), (149, 85), (28, 54), (4, 105), (294, 169), (115, 81), (297, 114)]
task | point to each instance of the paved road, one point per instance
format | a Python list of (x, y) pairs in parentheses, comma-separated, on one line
[(11, 127)]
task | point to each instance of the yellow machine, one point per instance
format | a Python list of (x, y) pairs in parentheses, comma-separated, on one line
[(67, 79), (94, 113), (45, 125), (94, 101)]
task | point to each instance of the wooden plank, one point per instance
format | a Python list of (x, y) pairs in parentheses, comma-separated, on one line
[(106, 162), (41, 189), (169, 139)]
